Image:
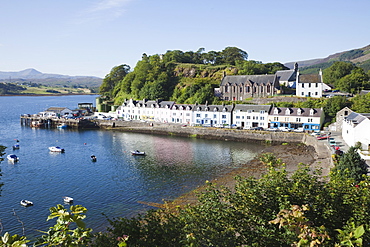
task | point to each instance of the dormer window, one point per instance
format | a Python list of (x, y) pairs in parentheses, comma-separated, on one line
[(312, 111), (216, 109), (276, 111), (299, 111), (287, 111), (198, 109)]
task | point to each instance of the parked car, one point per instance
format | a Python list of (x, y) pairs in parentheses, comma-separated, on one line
[(300, 129), (284, 129), (272, 129), (256, 128)]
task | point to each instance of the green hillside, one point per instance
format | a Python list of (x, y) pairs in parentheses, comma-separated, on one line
[(185, 77), (358, 57)]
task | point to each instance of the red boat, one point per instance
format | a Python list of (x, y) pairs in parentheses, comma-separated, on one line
[(322, 137)]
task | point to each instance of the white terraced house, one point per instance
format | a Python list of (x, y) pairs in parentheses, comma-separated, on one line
[(212, 115), (249, 116), (310, 119)]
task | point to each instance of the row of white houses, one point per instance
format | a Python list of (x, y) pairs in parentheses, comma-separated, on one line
[(239, 115)]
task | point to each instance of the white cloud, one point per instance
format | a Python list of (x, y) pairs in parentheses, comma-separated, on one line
[(103, 10)]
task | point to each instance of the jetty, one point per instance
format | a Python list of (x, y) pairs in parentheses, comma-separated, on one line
[(47, 122)]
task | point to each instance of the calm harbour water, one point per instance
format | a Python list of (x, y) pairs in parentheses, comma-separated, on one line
[(113, 185)]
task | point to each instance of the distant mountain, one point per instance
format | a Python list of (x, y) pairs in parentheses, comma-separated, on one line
[(360, 57), (34, 76)]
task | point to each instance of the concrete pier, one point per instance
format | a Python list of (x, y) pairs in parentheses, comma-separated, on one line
[(42, 122)]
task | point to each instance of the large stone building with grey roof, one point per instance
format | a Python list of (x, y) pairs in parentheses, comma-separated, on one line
[(241, 87)]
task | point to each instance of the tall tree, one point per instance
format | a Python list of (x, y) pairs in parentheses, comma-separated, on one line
[(337, 71), (351, 166), (333, 105), (361, 103), (113, 78), (232, 54)]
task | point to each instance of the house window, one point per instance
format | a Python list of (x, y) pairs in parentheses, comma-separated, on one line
[(262, 118), (188, 114), (226, 98), (205, 115), (302, 85), (247, 89), (223, 116), (262, 112), (286, 119), (276, 118), (198, 115), (226, 89), (309, 84), (237, 117), (316, 93), (317, 84), (248, 117), (298, 119), (310, 120), (241, 89), (214, 115), (302, 94)]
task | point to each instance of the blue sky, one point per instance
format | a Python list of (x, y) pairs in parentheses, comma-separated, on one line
[(90, 37)]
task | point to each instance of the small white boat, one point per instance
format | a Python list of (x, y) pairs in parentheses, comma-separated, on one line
[(68, 199), (56, 149), (26, 203), (62, 126), (12, 158), (93, 158), (137, 152)]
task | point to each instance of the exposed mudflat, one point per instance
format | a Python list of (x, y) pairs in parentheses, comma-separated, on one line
[(292, 155)]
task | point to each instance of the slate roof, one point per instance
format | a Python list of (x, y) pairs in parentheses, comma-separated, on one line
[(178, 106), (57, 109), (286, 75), (305, 112), (309, 78), (211, 108), (356, 118), (254, 108), (163, 104), (253, 79)]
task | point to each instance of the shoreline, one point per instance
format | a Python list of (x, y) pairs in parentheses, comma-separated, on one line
[(291, 148), (291, 155), (55, 94)]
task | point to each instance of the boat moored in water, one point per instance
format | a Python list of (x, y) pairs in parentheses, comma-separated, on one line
[(62, 126), (93, 158), (56, 149), (12, 158), (137, 152), (26, 203), (68, 199), (16, 146)]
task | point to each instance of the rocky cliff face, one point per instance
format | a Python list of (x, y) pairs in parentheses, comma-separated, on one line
[(204, 72)]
